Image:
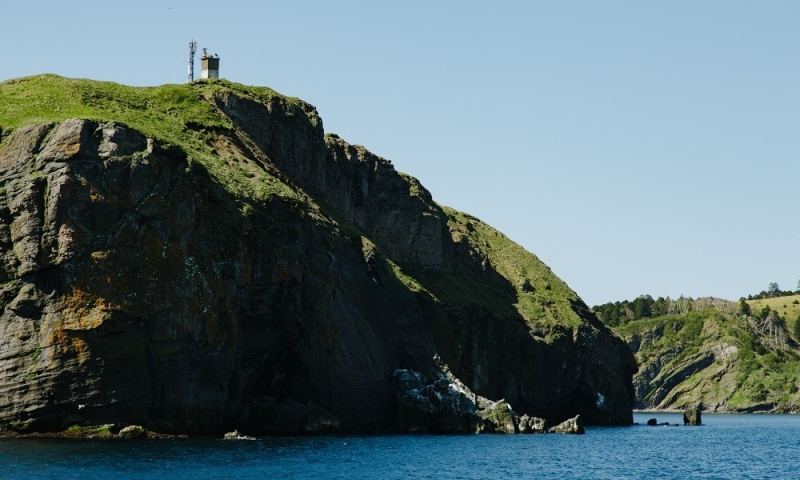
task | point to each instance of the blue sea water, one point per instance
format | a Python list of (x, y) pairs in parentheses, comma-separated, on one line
[(727, 446)]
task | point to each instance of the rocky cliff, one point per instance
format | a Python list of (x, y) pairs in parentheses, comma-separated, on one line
[(197, 258)]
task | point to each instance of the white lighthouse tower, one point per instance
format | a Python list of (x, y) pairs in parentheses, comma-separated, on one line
[(210, 65)]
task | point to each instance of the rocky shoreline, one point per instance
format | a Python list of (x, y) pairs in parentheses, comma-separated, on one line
[(94, 432), (442, 405), (526, 425)]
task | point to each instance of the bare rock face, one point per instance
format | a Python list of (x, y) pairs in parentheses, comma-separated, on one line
[(372, 195), (395, 211), (135, 289)]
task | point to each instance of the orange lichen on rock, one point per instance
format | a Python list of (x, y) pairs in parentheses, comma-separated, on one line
[(84, 311), (99, 255), (69, 147), (64, 345)]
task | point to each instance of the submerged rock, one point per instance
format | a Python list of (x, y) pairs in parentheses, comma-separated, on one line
[(654, 423)]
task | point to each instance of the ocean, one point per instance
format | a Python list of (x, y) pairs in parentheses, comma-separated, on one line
[(726, 446)]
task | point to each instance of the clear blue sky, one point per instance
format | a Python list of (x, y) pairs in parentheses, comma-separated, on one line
[(634, 146)]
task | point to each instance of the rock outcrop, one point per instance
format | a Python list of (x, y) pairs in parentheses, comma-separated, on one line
[(572, 425), (446, 405), (442, 406), (236, 435), (133, 431), (249, 272), (528, 424)]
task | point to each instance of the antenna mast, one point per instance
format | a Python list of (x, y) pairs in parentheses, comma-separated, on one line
[(192, 51)]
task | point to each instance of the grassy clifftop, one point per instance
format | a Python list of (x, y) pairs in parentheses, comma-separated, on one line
[(162, 112), (180, 114)]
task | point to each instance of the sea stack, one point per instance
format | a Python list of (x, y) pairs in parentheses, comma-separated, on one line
[(692, 416)]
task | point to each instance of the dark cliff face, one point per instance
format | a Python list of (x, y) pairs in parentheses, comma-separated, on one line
[(135, 288), (365, 190)]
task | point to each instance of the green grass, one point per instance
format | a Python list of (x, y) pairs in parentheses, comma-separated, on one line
[(538, 295), (180, 115), (542, 297), (409, 282), (415, 188), (20, 427), (86, 430), (678, 334), (785, 306), (161, 112), (34, 355)]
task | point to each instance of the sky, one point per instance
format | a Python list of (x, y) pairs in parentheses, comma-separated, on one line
[(636, 147)]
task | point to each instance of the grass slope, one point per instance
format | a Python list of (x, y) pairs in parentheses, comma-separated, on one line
[(787, 307), (538, 295)]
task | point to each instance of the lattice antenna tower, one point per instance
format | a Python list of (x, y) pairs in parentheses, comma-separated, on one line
[(192, 51)]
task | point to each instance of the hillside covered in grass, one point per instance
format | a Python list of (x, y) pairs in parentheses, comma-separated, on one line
[(730, 356), (202, 257)]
